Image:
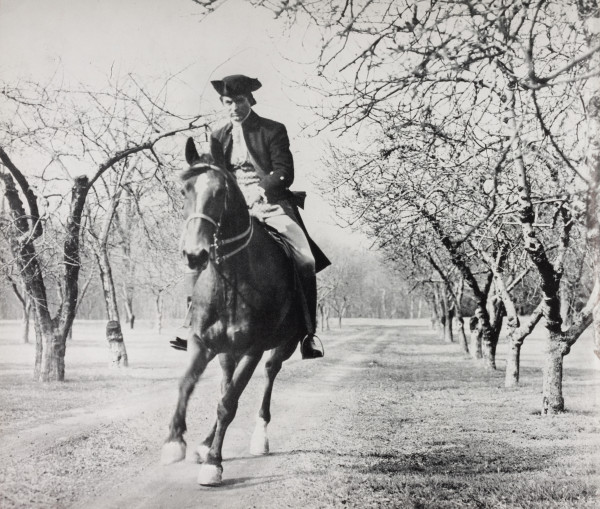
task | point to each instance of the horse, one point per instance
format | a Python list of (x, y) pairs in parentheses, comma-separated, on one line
[(243, 304)]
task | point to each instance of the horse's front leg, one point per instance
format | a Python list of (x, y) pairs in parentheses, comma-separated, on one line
[(259, 443), (227, 362), (174, 447), (211, 470)]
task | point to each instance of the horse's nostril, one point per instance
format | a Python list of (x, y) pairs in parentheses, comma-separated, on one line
[(198, 261)]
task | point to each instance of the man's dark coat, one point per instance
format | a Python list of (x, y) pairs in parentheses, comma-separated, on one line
[(269, 148)]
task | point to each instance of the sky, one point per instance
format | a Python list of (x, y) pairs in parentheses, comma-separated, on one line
[(87, 41)]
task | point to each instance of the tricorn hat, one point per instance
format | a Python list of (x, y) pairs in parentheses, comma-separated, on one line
[(237, 84)]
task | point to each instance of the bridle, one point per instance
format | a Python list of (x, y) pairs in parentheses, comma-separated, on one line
[(216, 254), (218, 244)]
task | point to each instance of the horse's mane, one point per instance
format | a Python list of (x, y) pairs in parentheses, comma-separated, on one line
[(199, 168)]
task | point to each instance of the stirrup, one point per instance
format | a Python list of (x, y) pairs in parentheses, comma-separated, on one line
[(180, 343), (309, 348)]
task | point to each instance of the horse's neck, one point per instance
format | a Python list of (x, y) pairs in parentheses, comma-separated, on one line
[(236, 222), (258, 249)]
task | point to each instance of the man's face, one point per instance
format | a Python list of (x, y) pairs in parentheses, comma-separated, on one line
[(238, 107)]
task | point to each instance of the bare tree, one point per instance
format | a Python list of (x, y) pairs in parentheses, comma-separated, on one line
[(48, 128), (589, 14), (156, 241), (99, 238), (494, 91), (126, 223)]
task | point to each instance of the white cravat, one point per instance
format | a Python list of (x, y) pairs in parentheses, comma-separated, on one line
[(246, 176), (239, 151)]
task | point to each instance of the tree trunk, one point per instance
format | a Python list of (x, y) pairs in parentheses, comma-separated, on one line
[(50, 351), (53, 359), (343, 308), (491, 328), (552, 397), (129, 309), (435, 314), (475, 338), (39, 348), (488, 347), (110, 296), (447, 331), (447, 315), (159, 312), (462, 337), (323, 318), (513, 363), (458, 310), (125, 226), (118, 353), (565, 297), (128, 289), (26, 319), (50, 345), (516, 337), (513, 358), (114, 334)]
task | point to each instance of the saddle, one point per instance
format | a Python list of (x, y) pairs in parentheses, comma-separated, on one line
[(286, 248)]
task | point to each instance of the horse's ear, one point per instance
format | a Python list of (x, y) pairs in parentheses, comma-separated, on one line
[(191, 154)]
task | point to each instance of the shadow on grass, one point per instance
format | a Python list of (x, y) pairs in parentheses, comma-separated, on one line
[(470, 462), (449, 459)]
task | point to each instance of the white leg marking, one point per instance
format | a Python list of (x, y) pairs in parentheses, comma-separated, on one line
[(210, 475), (201, 453), (259, 443), (172, 452)]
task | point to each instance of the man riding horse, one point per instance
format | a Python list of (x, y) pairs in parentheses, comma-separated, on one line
[(257, 151)]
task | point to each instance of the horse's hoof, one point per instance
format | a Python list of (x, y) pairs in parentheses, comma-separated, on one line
[(259, 443), (172, 452), (201, 453), (210, 475)]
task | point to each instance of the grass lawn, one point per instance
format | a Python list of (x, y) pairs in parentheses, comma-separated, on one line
[(399, 419)]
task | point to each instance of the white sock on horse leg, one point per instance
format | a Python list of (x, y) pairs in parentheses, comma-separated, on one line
[(259, 443)]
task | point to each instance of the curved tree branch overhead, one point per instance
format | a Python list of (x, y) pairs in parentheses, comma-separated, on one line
[(56, 145)]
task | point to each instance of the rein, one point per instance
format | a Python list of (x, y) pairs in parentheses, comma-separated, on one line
[(218, 243)]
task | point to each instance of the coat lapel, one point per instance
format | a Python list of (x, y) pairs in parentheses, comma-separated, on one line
[(227, 141), (251, 130)]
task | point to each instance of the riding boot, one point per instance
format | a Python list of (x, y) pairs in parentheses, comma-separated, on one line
[(311, 346), (182, 333)]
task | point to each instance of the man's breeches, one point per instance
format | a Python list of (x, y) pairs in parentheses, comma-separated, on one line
[(278, 217)]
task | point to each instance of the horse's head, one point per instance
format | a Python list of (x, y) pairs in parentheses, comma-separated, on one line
[(204, 187)]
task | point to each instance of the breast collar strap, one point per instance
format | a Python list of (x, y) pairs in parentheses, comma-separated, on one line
[(218, 256)]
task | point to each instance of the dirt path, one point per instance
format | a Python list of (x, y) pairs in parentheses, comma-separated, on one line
[(391, 417), (300, 403)]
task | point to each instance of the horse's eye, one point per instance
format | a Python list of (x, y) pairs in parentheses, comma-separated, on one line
[(182, 192)]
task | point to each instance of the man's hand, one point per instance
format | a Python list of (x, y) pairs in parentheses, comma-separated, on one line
[(255, 194)]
